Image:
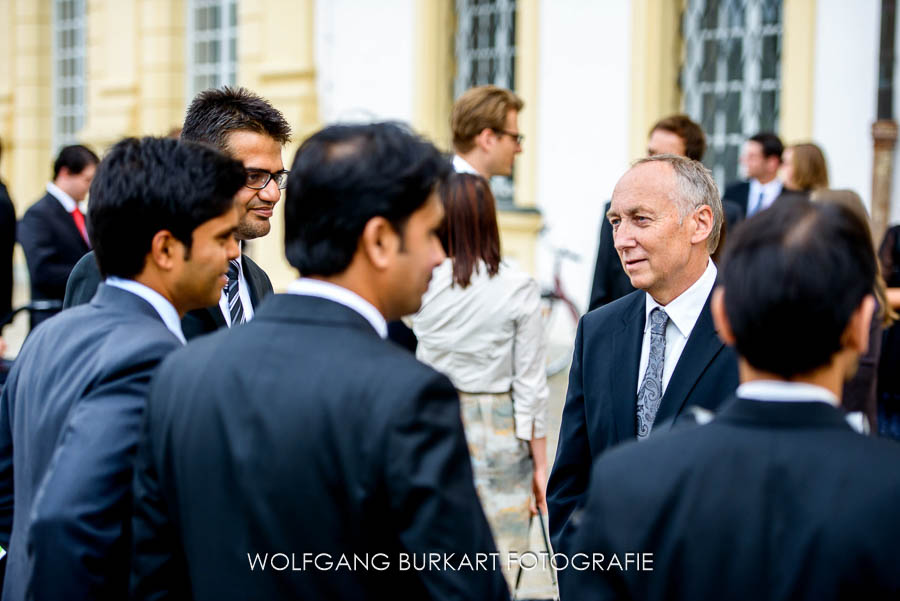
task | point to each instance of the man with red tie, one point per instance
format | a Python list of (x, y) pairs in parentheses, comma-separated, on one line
[(52, 232)]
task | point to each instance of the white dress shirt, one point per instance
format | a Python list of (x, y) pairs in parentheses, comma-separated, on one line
[(67, 202), (342, 296), (797, 392), (166, 310), (461, 165), (769, 191), (243, 294), (781, 391), (683, 312), (488, 338)]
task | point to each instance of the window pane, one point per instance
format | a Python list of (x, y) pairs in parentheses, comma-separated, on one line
[(771, 57)]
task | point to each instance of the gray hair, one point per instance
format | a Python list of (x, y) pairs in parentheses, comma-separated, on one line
[(696, 187)]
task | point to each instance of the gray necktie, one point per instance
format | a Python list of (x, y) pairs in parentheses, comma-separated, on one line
[(756, 208), (233, 294), (651, 390)]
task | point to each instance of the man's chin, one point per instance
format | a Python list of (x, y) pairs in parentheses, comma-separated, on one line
[(257, 228)]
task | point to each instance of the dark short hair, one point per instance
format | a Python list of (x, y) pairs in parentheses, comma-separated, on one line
[(74, 158), (217, 112), (153, 184), (343, 176), (469, 232), (793, 276), (771, 144), (686, 129)]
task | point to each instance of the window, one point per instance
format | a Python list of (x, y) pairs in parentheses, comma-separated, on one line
[(68, 87), (486, 54), (212, 44), (732, 75)]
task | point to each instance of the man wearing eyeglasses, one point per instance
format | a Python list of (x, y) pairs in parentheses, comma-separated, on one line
[(247, 128), (486, 134)]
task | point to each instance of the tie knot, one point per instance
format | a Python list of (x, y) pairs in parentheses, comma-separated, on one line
[(233, 270), (658, 320)]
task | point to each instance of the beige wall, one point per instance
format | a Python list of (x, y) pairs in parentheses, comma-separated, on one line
[(656, 55), (25, 75), (798, 51), (275, 59)]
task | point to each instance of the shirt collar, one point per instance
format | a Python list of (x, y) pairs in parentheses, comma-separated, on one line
[(343, 296), (64, 199), (777, 390), (685, 309), (165, 309), (771, 188), (461, 165)]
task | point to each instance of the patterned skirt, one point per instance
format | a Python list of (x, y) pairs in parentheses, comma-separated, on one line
[(503, 470)]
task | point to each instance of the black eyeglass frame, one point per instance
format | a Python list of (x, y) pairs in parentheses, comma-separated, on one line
[(280, 178), (519, 138)]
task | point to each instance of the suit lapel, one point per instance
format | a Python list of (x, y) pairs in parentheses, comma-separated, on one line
[(67, 223), (702, 347), (626, 344)]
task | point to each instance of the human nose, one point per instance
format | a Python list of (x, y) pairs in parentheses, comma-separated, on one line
[(438, 254), (623, 237), (232, 250), (270, 192)]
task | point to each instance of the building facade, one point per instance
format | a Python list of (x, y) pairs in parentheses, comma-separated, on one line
[(594, 74)]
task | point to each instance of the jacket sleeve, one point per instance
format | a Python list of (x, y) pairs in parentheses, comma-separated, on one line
[(571, 469), (434, 505), (529, 384), (6, 459), (78, 541), (48, 270)]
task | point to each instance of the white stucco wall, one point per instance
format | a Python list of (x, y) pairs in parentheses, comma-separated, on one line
[(365, 59), (845, 84), (583, 120)]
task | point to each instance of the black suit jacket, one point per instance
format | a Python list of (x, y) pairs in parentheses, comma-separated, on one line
[(85, 278), (771, 500), (738, 193), (7, 244), (600, 408), (318, 437), (52, 245), (69, 421)]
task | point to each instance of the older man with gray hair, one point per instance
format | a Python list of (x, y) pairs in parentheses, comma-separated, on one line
[(643, 359)]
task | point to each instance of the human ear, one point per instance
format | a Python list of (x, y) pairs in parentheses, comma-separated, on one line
[(379, 242), (720, 317), (703, 217)]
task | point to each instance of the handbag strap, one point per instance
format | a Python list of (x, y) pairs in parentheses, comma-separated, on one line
[(549, 555)]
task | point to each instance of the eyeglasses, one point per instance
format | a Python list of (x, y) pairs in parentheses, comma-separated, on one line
[(519, 138), (257, 179)]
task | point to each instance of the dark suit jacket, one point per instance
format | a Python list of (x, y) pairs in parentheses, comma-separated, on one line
[(318, 437), (52, 245), (86, 277), (739, 194), (602, 396), (69, 421), (771, 500), (7, 244)]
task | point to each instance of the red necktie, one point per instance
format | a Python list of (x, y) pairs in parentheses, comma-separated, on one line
[(79, 223)]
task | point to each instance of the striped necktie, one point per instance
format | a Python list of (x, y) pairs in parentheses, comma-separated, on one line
[(231, 291)]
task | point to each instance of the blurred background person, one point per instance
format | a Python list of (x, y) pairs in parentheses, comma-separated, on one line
[(889, 365), (803, 170), (480, 324), (53, 233), (860, 391), (7, 243), (760, 160)]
